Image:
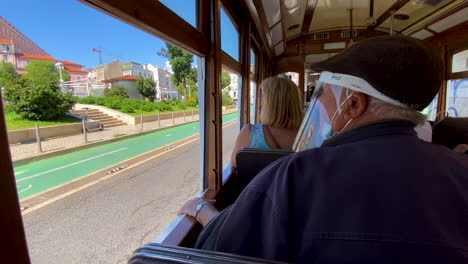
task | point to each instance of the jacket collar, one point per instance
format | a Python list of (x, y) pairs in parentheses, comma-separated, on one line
[(382, 128)]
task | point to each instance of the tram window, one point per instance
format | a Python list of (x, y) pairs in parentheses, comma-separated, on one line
[(460, 61), (186, 9), (431, 110), (252, 61), (253, 102), (231, 84), (229, 36), (126, 183), (457, 98)]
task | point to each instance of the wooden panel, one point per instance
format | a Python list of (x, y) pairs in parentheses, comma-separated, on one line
[(13, 247), (395, 7), (213, 137), (156, 19), (245, 90), (455, 37), (184, 233), (230, 63), (309, 13), (263, 28)]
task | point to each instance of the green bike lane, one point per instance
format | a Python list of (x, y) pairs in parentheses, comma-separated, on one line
[(42, 175)]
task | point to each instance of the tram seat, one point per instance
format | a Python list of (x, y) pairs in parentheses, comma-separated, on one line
[(250, 161), (451, 131), (155, 253)]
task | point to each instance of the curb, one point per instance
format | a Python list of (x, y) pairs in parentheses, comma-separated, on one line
[(39, 157)]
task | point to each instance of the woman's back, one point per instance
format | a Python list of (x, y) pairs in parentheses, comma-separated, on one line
[(262, 136)]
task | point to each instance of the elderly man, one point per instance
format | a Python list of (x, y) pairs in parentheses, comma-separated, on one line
[(365, 189)]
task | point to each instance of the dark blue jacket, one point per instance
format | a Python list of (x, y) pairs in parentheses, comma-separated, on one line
[(375, 194)]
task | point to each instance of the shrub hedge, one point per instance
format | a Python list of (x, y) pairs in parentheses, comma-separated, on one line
[(127, 105)]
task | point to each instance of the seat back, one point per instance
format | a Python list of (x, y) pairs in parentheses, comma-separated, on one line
[(251, 161), (155, 253), (451, 131)]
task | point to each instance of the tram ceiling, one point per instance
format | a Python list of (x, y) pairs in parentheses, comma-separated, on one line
[(286, 23)]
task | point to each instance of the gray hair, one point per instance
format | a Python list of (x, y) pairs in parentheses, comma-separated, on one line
[(385, 110)]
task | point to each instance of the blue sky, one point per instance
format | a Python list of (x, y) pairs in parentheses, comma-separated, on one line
[(68, 30)]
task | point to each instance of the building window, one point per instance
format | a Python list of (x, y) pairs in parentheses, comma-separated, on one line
[(78, 78), (4, 48), (5, 57)]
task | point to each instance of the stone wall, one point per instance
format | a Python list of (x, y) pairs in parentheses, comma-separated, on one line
[(28, 135)]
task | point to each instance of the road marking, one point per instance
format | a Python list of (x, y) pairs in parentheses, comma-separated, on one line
[(69, 165), (34, 208), (18, 173), (29, 187), (45, 203)]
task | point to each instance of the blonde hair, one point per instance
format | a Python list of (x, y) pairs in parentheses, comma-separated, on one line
[(282, 103)]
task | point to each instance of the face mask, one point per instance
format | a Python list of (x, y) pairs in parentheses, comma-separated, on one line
[(319, 127)]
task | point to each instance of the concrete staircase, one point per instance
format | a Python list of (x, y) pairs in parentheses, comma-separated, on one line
[(94, 114)]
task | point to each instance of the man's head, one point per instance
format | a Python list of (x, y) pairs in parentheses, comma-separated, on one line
[(383, 78)]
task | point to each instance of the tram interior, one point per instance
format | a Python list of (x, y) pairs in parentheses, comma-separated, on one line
[(281, 36)]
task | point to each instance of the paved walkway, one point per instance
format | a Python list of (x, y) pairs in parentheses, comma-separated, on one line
[(27, 150)]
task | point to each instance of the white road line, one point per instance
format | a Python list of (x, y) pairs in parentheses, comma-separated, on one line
[(29, 187), (66, 166), (18, 173)]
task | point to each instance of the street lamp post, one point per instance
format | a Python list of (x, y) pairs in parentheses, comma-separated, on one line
[(59, 66)]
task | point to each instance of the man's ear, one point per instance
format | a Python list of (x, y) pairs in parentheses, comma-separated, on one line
[(357, 105)]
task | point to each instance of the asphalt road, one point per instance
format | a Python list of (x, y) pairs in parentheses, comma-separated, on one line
[(105, 222)]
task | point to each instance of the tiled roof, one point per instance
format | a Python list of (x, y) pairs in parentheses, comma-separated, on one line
[(34, 57), (74, 69), (6, 41), (126, 77), (71, 63)]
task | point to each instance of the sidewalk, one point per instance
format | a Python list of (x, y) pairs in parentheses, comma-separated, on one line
[(28, 150)]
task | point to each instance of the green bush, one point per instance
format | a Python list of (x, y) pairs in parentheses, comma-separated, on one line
[(226, 99), (116, 90), (87, 100), (37, 102), (113, 102), (191, 104), (127, 109)]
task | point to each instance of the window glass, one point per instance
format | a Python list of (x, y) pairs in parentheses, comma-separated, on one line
[(229, 36), (431, 110), (186, 9), (252, 61), (231, 84), (457, 98), (460, 61), (253, 103), (103, 193)]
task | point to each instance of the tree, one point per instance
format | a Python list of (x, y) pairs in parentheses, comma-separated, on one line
[(192, 88), (181, 63), (146, 87), (116, 90), (7, 74), (226, 98), (36, 94), (225, 80), (44, 72), (37, 101)]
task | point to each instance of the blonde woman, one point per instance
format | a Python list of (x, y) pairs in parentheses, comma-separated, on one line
[(280, 118)]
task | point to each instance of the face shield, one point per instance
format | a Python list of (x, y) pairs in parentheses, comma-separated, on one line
[(327, 102)]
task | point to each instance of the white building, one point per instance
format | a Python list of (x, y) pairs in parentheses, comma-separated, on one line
[(233, 88), (135, 69), (165, 89)]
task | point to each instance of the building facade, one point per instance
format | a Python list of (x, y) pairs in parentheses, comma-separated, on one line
[(165, 89), (22, 44)]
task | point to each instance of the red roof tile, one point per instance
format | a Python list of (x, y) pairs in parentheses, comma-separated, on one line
[(6, 41), (74, 69), (34, 57), (126, 77), (71, 63)]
